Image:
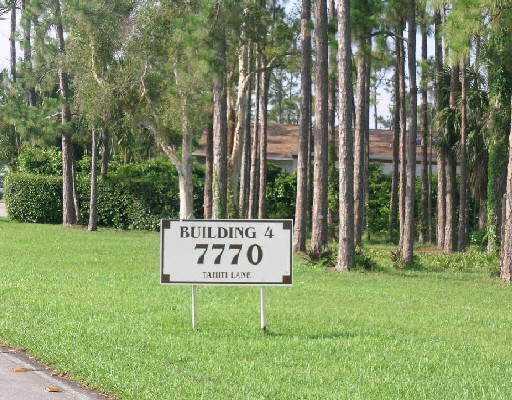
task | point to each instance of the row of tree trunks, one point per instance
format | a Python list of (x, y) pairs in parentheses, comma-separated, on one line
[(301, 203), (408, 228), (346, 253), (320, 184)]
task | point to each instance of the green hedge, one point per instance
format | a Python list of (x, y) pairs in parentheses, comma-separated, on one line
[(34, 198), (136, 196)]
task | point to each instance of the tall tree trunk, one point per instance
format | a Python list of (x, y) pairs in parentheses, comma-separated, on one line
[(27, 48), (245, 170), (463, 187), (93, 203), (301, 202), (12, 40), (105, 151), (220, 133), (366, 175), (254, 180), (208, 194), (359, 143), (185, 179), (441, 150), (332, 171), (408, 239), (425, 212), (320, 183), (393, 215), (69, 212), (506, 252), (429, 197), (451, 164), (346, 253), (264, 81), (403, 137), (235, 160)]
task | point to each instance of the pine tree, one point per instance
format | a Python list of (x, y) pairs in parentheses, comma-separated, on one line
[(320, 184), (408, 228), (301, 203), (345, 141)]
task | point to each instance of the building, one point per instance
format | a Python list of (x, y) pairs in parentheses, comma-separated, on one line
[(283, 143)]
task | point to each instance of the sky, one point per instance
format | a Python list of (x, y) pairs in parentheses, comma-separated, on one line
[(383, 96)]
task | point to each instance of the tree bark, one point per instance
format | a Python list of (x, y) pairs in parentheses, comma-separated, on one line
[(441, 156), (12, 41), (463, 184), (27, 49), (105, 151), (208, 194), (425, 212), (393, 216), (408, 234), (332, 170), (235, 160), (506, 252), (93, 203), (320, 183), (450, 242), (245, 171), (220, 133), (264, 82), (254, 180), (346, 252), (359, 143), (301, 202), (403, 137), (69, 213)]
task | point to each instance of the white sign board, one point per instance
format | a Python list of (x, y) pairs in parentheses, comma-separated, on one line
[(232, 252)]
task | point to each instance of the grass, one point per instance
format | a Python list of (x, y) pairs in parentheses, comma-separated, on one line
[(90, 305)]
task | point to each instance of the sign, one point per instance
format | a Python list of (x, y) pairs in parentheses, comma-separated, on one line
[(228, 252)]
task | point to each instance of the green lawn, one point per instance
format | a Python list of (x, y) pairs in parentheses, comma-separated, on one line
[(90, 304)]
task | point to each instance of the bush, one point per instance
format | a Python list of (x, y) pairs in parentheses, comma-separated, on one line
[(34, 198), (281, 194), (40, 161)]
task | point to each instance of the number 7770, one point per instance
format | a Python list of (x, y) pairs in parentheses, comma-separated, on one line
[(254, 253)]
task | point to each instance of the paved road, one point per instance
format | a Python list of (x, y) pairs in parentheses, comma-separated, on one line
[(3, 210), (22, 378)]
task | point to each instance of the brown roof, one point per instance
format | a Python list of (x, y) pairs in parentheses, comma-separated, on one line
[(283, 141)]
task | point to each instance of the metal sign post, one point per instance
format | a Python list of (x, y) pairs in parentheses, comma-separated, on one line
[(194, 307), (226, 252), (263, 320)]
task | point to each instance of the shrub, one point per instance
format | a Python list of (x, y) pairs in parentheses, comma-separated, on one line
[(137, 196), (281, 193), (40, 161), (34, 198)]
